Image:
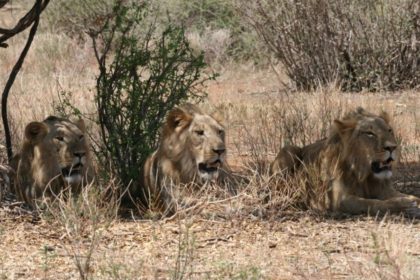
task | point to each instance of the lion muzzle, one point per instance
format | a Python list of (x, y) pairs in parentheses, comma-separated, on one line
[(209, 170), (382, 169), (72, 174)]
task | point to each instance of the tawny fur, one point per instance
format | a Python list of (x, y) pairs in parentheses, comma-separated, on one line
[(189, 137), (344, 163), (48, 148)]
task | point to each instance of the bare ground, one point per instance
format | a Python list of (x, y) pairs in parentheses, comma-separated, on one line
[(291, 245)]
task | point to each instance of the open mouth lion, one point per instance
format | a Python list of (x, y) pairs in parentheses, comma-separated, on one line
[(355, 162), (72, 174), (62, 159), (191, 150), (382, 166), (209, 168)]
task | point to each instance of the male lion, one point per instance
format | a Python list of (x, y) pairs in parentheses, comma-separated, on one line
[(354, 164), (54, 155), (192, 149)]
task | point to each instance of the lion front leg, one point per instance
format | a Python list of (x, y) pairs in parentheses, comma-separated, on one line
[(389, 193), (357, 205), (166, 203), (345, 199)]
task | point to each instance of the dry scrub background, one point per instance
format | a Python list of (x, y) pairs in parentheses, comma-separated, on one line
[(240, 237)]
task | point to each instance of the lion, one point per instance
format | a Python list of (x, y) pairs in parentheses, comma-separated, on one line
[(54, 156), (354, 165), (191, 150)]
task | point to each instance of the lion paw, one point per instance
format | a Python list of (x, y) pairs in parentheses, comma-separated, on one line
[(413, 212), (415, 200), (403, 203)]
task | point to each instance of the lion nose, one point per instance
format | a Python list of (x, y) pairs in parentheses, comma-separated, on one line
[(390, 147), (79, 154), (219, 151)]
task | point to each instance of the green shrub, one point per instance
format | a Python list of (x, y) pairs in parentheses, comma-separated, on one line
[(362, 44), (142, 76)]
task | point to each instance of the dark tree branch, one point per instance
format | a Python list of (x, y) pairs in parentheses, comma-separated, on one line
[(31, 18), (3, 3), (25, 22)]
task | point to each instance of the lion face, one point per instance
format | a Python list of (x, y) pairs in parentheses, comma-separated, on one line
[(194, 142), (370, 144), (207, 138), (59, 145), (70, 143)]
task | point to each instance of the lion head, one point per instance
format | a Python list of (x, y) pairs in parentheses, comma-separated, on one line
[(54, 153), (194, 143), (368, 146)]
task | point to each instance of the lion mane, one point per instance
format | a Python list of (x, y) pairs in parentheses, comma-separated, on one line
[(54, 156), (353, 165), (191, 150)]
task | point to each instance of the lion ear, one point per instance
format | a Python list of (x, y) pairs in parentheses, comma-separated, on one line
[(218, 116), (385, 116), (344, 127), (178, 118), (80, 123), (36, 131)]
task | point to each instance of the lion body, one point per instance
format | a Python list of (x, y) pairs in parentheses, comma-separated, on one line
[(54, 156), (191, 150), (354, 166)]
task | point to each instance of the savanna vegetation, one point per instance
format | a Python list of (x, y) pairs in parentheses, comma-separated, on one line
[(279, 72)]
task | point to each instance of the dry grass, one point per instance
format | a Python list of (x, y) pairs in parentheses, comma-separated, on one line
[(196, 248), (256, 234)]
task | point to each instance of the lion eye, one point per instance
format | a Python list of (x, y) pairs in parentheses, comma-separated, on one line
[(221, 132), (60, 138), (81, 137), (200, 132), (370, 134)]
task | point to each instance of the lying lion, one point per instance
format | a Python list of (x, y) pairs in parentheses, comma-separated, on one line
[(354, 164), (192, 149), (54, 155)]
